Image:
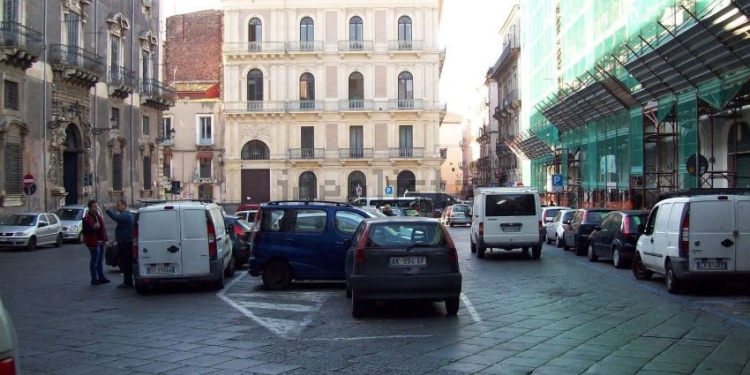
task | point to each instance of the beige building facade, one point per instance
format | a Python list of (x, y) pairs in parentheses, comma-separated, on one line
[(451, 132), (331, 102)]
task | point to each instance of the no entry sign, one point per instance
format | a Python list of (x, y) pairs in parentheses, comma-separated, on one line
[(28, 180)]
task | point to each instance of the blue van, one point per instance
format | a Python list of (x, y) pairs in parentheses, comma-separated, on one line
[(301, 240)]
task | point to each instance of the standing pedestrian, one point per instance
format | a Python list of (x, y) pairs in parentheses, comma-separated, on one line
[(124, 238), (95, 236)]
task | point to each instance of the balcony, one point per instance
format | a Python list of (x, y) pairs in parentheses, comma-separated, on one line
[(305, 106), (156, 95), (307, 153), (121, 81), (356, 153), (356, 105), (255, 106), (404, 45), (502, 149), (76, 64), (255, 48), (405, 104), (510, 50), (406, 153), (304, 46), (21, 46), (354, 46)]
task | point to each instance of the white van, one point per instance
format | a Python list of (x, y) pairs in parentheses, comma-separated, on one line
[(181, 242), (713, 242), (506, 218)]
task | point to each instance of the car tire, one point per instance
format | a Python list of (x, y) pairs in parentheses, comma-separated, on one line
[(229, 271), (577, 247), (536, 252), (617, 260), (451, 306), (480, 252), (473, 247), (591, 254), (31, 246), (565, 244), (141, 289), (558, 242), (674, 286), (358, 306), (451, 225), (639, 269), (59, 240), (277, 275), (547, 240), (80, 238), (348, 291)]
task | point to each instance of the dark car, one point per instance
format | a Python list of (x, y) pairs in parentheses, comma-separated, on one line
[(616, 236), (402, 258), (301, 240), (240, 236), (576, 234)]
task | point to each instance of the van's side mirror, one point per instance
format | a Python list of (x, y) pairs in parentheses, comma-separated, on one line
[(347, 243), (641, 228)]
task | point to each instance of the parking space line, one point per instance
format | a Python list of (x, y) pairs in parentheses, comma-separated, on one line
[(368, 338), (282, 306), (470, 307)]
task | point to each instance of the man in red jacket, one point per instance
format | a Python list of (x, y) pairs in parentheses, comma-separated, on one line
[(95, 236)]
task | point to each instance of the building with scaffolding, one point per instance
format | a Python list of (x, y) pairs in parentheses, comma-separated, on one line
[(632, 99)]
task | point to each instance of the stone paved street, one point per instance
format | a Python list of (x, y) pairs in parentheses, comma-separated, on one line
[(559, 315)]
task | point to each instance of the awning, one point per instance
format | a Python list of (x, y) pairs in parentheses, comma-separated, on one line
[(204, 155), (529, 146)]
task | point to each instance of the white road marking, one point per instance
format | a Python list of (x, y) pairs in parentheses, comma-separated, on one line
[(280, 306), (470, 307), (368, 338)]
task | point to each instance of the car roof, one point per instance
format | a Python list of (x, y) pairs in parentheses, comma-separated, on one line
[(78, 206), (402, 219), (635, 212), (160, 206)]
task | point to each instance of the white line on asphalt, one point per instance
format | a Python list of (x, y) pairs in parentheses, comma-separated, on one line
[(470, 307), (368, 338), (280, 306)]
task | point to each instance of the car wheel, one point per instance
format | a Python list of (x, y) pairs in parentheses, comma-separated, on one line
[(59, 240), (547, 240), (480, 252), (617, 258), (358, 306), (80, 238), (473, 247), (451, 305), (577, 247), (348, 290), (277, 275), (536, 252), (591, 254), (674, 285), (229, 271), (31, 246), (565, 244), (639, 269), (141, 289), (558, 242)]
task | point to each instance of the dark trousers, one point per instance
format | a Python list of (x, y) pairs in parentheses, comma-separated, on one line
[(95, 265), (125, 260)]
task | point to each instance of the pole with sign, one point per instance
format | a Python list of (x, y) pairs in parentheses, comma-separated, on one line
[(29, 188)]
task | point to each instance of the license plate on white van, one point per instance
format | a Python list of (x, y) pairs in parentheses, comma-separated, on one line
[(407, 261), (160, 270), (711, 266), (512, 229)]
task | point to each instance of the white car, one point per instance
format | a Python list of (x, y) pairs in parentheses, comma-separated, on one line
[(248, 215), (30, 230), (556, 227), (72, 221), (8, 344)]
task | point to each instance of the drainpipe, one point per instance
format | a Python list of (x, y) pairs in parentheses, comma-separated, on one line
[(94, 174), (44, 114), (132, 114)]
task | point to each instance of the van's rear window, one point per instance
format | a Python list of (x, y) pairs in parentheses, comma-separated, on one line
[(510, 205), (163, 225)]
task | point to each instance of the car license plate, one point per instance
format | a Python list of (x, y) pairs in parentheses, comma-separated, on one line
[(4, 240), (160, 270), (710, 266), (407, 261), (511, 229)]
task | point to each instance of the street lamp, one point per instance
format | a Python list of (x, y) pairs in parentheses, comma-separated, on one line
[(74, 111), (167, 137)]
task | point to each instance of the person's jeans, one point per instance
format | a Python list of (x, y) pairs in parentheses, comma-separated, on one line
[(97, 257), (125, 260)]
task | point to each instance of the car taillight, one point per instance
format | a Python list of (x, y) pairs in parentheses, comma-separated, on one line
[(452, 253), (8, 366), (238, 231), (684, 241), (359, 252), (481, 229), (626, 226), (212, 250), (135, 241), (585, 216)]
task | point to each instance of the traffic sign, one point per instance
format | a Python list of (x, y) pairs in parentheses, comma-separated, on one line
[(557, 183), (29, 190), (28, 180), (359, 191), (389, 190)]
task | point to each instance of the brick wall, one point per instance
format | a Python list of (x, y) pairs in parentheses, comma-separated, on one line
[(192, 50)]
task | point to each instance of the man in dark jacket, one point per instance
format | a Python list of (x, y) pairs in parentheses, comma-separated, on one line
[(95, 236), (124, 237)]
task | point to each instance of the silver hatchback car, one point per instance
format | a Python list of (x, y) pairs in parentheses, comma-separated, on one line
[(30, 229), (400, 258)]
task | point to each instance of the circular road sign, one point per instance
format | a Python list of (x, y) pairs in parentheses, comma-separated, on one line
[(28, 180)]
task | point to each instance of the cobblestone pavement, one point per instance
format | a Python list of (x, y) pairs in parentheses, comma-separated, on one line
[(558, 315)]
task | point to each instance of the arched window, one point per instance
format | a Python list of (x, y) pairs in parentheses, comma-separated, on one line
[(255, 150), (738, 153), (308, 189), (306, 34), (254, 34), (356, 33), (356, 180), (405, 181), (405, 90), (307, 91), (356, 90), (404, 32), (255, 90)]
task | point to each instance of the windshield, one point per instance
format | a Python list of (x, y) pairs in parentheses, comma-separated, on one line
[(19, 220), (70, 213), (403, 235), (461, 208)]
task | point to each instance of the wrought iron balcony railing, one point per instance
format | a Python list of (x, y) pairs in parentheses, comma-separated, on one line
[(13, 34), (157, 90), (409, 152), (355, 45), (356, 153), (305, 46), (307, 153), (119, 75), (66, 56)]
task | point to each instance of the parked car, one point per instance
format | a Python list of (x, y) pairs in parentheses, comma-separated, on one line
[(9, 357), (400, 211), (402, 258), (458, 214), (548, 213), (616, 236), (556, 227), (248, 207), (578, 229), (240, 237), (695, 238), (181, 242), (72, 222), (440, 200), (248, 215), (30, 230), (373, 211), (302, 240), (506, 218)]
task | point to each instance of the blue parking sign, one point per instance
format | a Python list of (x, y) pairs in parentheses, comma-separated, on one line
[(389, 190), (557, 180)]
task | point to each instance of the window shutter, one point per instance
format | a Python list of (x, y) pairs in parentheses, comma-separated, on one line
[(10, 10), (72, 21), (147, 173), (11, 95), (117, 172), (13, 168)]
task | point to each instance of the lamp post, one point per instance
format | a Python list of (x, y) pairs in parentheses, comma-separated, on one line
[(168, 138)]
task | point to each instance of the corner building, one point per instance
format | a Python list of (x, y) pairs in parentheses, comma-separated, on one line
[(323, 97)]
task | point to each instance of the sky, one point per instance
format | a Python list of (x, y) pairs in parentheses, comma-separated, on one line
[(469, 31)]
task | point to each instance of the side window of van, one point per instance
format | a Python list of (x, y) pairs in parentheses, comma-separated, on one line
[(675, 217), (310, 221), (218, 219), (651, 223), (270, 220), (347, 222), (194, 224), (662, 218)]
